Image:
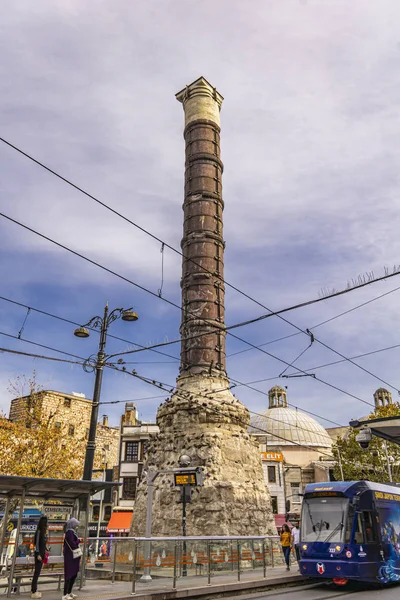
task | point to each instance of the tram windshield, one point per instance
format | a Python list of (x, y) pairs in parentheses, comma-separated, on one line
[(323, 519)]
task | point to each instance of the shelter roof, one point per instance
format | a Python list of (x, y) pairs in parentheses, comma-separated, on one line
[(387, 428), (60, 489)]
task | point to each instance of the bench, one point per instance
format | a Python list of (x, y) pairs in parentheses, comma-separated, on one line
[(24, 570)]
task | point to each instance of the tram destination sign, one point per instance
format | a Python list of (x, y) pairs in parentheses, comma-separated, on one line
[(324, 493)]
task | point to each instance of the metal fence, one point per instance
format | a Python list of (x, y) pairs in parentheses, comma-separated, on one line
[(208, 557)]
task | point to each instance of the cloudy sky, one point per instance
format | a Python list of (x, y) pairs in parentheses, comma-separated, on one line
[(310, 137)]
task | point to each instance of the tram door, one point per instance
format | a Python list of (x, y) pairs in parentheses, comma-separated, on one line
[(366, 543)]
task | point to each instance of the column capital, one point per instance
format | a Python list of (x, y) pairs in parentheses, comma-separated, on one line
[(201, 101)]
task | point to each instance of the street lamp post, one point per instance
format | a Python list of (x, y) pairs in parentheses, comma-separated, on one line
[(97, 363)]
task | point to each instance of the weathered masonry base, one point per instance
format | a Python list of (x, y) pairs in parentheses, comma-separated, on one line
[(213, 431)]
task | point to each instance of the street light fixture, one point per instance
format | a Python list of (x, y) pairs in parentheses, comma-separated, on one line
[(97, 363)]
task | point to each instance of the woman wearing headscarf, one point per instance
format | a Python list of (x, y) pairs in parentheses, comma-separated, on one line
[(71, 564), (40, 541)]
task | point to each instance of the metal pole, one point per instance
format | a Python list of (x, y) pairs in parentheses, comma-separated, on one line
[(388, 461), (175, 560), (91, 443), (264, 559), (103, 478), (84, 555), (272, 552), (4, 530), (238, 558), (184, 566), (209, 561), (134, 568), (114, 561), (340, 465), (14, 558), (151, 477)]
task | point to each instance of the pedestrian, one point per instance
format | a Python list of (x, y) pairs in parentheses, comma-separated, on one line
[(71, 563), (286, 541), (40, 542), (296, 540)]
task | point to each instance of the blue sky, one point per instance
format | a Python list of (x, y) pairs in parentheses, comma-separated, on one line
[(310, 132)]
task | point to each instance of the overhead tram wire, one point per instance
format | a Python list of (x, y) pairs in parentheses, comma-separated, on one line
[(176, 306), (184, 395), (40, 356), (113, 367), (159, 396), (165, 244), (227, 329), (286, 337)]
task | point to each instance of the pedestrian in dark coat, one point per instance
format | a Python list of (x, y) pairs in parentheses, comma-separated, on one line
[(40, 541), (71, 564)]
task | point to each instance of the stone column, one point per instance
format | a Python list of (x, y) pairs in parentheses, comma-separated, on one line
[(202, 329), (202, 418)]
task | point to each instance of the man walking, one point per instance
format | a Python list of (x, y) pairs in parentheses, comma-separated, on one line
[(296, 540)]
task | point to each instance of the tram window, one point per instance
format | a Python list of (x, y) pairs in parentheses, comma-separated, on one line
[(349, 524), (369, 527), (359, 533)]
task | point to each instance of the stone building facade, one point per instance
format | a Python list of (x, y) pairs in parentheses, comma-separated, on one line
[(71, 414)]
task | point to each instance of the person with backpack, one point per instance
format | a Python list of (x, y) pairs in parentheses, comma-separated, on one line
[(40, 542), (72, 557)]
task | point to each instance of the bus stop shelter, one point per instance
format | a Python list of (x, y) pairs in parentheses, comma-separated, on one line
[(76, 494), (387, 428)]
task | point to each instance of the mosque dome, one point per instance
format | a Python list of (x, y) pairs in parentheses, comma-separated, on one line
[(285, 426)]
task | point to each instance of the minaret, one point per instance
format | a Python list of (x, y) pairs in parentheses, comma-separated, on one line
[(202, 418), (382, 397)]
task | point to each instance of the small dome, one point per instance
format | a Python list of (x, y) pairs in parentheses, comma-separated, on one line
[(285, 426)]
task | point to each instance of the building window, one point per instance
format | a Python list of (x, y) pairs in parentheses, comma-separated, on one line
[(71, 430), (107, 512), (295, 488), (129, 488), (272, 474), (67, 402), (95, 512), (274, 504), (132, 452)]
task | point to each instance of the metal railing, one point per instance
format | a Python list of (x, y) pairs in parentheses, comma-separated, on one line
[(179, 559), (182, 557)]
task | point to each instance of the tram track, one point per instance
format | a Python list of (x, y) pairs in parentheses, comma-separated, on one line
[(317, 591)]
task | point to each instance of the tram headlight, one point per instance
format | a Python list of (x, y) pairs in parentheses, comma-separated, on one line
[(304, 547)]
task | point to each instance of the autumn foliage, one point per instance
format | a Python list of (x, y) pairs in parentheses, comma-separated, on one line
[(368, 464), (36, 446)]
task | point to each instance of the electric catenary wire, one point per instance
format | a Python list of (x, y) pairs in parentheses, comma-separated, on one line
[(205, 320), (362, 283)]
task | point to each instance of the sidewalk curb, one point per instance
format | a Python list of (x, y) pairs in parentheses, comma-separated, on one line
[(222, 589)]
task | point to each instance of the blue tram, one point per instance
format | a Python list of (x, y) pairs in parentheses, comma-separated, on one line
[(351, 530)]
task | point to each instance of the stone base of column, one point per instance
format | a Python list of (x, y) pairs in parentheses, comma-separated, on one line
[(204, 420)]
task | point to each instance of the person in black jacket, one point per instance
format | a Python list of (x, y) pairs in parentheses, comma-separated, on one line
[(40, 551)]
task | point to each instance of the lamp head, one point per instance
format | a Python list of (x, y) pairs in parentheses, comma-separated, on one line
[(81, 332), (129, 315), (184, 460)]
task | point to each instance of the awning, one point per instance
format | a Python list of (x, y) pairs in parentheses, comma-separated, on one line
[(120, 522), (280, 520)]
